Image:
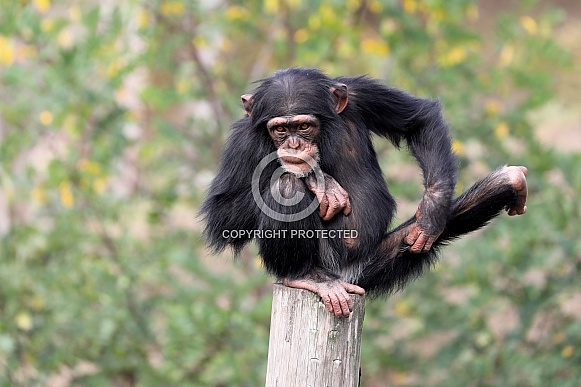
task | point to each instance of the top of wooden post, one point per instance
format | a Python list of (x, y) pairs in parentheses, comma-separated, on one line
[(310, 346)]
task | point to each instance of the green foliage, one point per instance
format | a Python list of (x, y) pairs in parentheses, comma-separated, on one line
[(112, 120)]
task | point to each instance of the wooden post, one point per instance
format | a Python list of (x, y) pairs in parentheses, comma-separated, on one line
[(310, 347)]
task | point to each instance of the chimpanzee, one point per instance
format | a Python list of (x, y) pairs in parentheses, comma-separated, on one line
[(306, 142)]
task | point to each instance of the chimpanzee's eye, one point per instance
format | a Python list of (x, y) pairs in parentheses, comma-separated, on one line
[(304, 126), (280, 129)]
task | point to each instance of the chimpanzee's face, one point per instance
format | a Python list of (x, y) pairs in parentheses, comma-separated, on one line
[(295, 140)]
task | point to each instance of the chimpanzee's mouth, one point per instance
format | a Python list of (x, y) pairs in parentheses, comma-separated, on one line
[(293, 160), (295, 157)]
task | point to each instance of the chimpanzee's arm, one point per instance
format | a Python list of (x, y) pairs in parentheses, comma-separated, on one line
[(398, 115), (229, 204)]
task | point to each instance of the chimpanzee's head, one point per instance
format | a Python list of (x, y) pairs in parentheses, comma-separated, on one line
[(292, 105)]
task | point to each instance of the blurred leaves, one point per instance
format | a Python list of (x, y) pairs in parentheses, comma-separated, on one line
[(112, 120)]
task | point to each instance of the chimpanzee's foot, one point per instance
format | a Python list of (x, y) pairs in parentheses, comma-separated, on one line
[(517, 176), (334, 293)]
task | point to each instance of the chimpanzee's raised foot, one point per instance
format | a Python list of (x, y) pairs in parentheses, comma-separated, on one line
[(517, 176)]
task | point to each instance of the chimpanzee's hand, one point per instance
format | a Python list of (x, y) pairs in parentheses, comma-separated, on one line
[(332, 198), (420, 239)]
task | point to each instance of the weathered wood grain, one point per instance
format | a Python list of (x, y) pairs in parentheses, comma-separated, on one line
[(310, 346)]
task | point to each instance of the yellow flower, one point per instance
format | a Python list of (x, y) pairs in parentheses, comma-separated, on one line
[(457, 55), (506, 55), (66, 193), (375, 47), (38, 195), (568, 351), (37, 303), (65, 39), (328, 14), (529, 24), (90, 167), (6, 51), (236, 12), (409, 6), (99, 185), (301, 36), (492, 107), (458, 147), (199, 41), (183, 86), (315, 22), (454, 56), (501, 130), (292, 4), (271, 6), (115, 67), (437, 14), (172, 8), (142, 19), (75, 13), (47, 25), (41, 6), (375, 6), (402, 308), (45, 118), (24, 321)]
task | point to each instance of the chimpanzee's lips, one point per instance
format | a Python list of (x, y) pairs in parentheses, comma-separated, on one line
[(293, 160), (295, 157)]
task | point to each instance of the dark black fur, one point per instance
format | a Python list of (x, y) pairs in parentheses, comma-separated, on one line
[(379, 261)]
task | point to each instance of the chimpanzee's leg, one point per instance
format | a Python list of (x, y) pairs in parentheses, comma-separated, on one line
[(393, 265), (504, 189)]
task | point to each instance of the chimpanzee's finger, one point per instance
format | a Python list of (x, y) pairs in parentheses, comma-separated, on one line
[(350, 288), (328, 304), (345, 303), (336, 302), (334, 206), (347, 209), (344, 202), (419, 244), (411, 238), (323, 204), (429, 242)]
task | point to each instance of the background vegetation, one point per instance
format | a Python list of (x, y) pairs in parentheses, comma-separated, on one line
[(113, 115)]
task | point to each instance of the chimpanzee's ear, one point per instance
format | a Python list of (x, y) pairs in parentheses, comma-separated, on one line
[(247, 102), (340, 96)]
